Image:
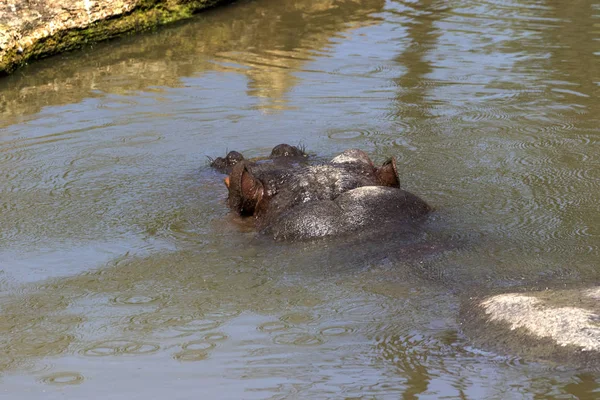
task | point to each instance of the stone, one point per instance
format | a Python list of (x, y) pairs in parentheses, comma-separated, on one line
[(553, 324)]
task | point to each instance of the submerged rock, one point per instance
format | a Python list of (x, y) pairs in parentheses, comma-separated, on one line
[(559, 325), (31, 29)]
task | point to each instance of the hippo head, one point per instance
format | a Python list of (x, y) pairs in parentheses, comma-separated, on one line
[(297, 201)]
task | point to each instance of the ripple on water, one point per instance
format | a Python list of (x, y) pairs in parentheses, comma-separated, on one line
[(63, 378), (198, 345), (298, 339), (166, 334), (383, 69), (216, 337), (191, 355), (198, 350), (569, 181), (34, 365), (119, 347), (15, 323), (34, 169), (560, 127), (336, 330), (157, 320), (6, 362), (410, 349), (136, 299), (141, 139), (484, 113), (397, 137), (340, 134), (199, 325), (39, 344), (559, 177), (222, 314), (368, 309), (298, 318), (62, 323), (469, 357), (273, 326), (113, 102)]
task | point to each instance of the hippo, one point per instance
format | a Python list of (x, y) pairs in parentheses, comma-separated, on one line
[(345, 195)]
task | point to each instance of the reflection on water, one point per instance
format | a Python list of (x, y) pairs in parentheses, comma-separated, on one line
[(267, 42), (117, 252)]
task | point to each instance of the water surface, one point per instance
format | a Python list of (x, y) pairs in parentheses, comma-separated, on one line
[(123, 275)]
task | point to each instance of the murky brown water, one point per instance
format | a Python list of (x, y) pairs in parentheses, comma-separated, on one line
[(123, 277)]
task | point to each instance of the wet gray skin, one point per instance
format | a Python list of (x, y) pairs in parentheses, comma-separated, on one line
[(380, 209), (125, 275)]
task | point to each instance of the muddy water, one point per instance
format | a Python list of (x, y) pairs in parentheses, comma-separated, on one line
[(123, 276)]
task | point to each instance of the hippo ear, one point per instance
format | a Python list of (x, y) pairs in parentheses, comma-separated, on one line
[(387, 175), (245, 190)]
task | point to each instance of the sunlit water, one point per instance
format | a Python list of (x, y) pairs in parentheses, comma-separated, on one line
[(123, 275)]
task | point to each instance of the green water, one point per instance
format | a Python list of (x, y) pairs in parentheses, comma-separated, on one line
[(123, 276)]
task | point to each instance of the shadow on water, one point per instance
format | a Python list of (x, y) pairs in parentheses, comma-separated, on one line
[(414, 104), (570, 76)]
